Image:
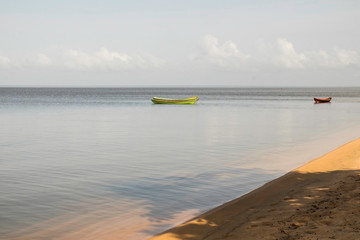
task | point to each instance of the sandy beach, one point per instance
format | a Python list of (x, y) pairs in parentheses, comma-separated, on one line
[(319, 200)]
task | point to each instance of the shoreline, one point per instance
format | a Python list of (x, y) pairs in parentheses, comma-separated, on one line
[(318, 199)]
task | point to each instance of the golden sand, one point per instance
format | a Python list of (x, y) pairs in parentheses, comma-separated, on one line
[(319, 200)]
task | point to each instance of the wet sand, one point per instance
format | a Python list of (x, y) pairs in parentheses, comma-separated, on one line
[(319, 200)]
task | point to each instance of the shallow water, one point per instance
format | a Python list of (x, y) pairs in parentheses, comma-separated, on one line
[(98, 163)]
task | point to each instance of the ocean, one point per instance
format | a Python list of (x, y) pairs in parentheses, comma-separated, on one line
[(107, 163)]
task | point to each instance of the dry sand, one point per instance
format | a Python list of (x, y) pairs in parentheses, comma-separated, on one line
[(320, 200)]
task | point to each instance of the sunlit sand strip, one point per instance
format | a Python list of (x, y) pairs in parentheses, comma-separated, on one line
[(320, 200)]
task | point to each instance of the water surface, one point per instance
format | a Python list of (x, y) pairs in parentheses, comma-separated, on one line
[(102, 162)]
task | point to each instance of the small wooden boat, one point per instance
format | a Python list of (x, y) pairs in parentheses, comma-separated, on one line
[(190, 100), (322, 100)]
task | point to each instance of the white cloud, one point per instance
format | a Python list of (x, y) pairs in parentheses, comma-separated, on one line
[(347, 57), (4, 61), (107, 60), (281, 54), (102, 60), (42, 60), (225, 55), (285, 55)]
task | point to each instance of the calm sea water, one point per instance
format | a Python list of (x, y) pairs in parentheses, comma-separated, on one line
[(108, 164)]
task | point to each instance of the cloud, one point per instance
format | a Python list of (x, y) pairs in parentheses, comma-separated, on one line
[(347, 57), (42, 60), (101, 60), (108, 60), (38, 61), (225, 55), (281, 54), (4, 61), (284, 55)]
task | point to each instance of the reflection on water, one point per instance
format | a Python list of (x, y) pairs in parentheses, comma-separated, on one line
[(107, 163)]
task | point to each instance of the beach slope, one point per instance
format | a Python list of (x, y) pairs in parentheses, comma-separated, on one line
[(319, 200)]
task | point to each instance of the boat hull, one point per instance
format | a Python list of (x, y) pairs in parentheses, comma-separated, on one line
[(191, 100), (322, 100)]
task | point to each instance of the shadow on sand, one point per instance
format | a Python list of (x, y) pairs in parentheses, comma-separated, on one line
[(323, 205)]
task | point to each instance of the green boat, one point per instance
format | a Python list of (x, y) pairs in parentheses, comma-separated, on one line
[(190, 100)]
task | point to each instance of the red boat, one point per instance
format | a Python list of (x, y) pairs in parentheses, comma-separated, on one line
[(322, 100)]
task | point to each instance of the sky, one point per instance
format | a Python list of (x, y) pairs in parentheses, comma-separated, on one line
[(245, 43)]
